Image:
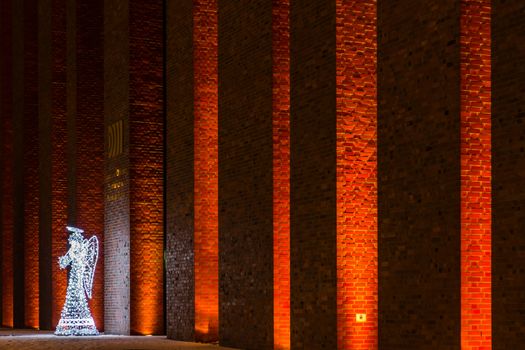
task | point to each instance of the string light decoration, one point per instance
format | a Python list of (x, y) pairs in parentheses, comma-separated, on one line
[(82, 256)]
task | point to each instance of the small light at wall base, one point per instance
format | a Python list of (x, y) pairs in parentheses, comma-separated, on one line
[(360, 318)]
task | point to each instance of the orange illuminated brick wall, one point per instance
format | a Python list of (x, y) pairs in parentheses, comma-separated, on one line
[(356, 32), (7, 185), (206, 244), (58, 157), (476, 331), (146, 166), (90, 138), (31, 178), (281, 173)]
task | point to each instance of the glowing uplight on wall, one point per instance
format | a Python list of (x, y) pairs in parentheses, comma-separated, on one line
[(356, 60), (476, 174), (206, 167), (281, 173)]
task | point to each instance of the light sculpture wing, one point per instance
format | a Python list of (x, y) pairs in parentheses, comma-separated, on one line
[(91, 263)]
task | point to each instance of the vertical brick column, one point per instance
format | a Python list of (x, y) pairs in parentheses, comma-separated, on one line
[(356, 174), (313, 175), (63, 145), (134, 167), (419, 174), (2, 151), (281, 173), (31, 164), (508, 179), (245, 174), (18, 105), (71, 110), (146, 170), (59, 158), (476, 287), (45, 149), (7, 153), (116, 180), (206, 244), (180, 171), (2, 162), (192, 170), (90, 137)]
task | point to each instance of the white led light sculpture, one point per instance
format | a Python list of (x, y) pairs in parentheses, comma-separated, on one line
[(82, 256)]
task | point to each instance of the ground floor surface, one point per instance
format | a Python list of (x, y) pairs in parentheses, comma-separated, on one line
[(41, 340)]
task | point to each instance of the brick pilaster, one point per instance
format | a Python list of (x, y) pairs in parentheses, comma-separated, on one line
[(245, 174)]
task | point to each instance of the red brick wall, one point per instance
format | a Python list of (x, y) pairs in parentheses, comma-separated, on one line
[(313, 196), (31, 165), (90, 137), (508, 180), (45, 98), (71, 107), (18, 102), (419, 174), (2, 156), (476, 288), (116, 219), (7, 150), (245, 174), (180, 171), (356, 174), (146, 165), (281, 172), (58, 157), (205, 27)]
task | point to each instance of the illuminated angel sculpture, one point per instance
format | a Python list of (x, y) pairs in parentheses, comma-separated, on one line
[(82, 256)]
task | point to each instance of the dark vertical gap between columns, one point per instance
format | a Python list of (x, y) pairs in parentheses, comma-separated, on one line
[(18, 183), (45, 276), (164, 158)]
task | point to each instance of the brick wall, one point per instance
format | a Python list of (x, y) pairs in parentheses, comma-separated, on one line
[(116, 180), (356, 174), (419, 174), (508, 181), (2, 152), (146, 166), (45, 277), (476, 319), (192, 170), (59, 144), (71, 109), (180, 173), (18, 105), (7, 152), (296, 174), (31, 163), (245, 174), (206, 224), (313, 271), (281, 172), (90, 137), (134, 167)]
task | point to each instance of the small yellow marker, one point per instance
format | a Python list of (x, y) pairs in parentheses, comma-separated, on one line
[(360, 318)]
